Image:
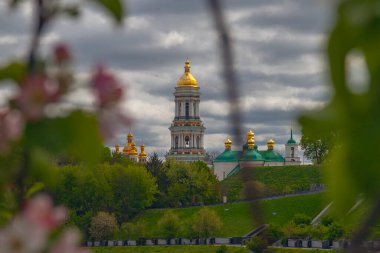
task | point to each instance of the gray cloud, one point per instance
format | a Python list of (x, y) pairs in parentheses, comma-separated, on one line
[(278, 46)]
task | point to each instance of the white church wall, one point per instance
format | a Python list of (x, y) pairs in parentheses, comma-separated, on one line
[(222, 169)]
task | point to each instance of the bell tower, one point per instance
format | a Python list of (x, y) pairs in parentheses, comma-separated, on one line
[(187, 128)]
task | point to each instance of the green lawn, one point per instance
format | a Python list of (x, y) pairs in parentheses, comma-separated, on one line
[(192, 249), (236, 218), (166, 249), (273, 180)]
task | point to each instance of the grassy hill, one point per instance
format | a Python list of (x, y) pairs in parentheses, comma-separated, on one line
[(237, 217), (192, 249), (272, 180)]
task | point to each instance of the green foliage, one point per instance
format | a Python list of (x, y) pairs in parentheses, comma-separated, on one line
[(335, 231), (124, 191), (327, 220), (273, 233), (133, 231), (222, 249), (154, 165), (301, 219), (170, 224), (315, 149), (272, 180), (257, 244), (103, 226), (13, 71), (165, 249), (189, 184), (75, 135), (354, 116), (206, 223), (114, 8)]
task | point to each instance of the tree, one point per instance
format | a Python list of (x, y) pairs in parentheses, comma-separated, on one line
[(315, 150), (301, 219), (206, 223), (154, 165), (170, 224), (103, 226)]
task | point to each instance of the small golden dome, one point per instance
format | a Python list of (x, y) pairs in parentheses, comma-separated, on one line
[(228, 143), (251, 143), (142, 152), (250, 135), (133, 150), (117, 148), (187, 79), (271, 143)]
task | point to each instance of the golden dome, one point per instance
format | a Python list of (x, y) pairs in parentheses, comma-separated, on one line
[(130, 137), (271, 143), (133, 150), (228, 143), (250, 135), (117, 148), (187, 79), (142, 152), (251, 143)]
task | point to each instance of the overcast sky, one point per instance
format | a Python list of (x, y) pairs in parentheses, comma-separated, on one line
[(278, 44)]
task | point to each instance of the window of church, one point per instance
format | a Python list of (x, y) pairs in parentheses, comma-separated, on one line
[(176, 142), (187, 109), (292, 149), (198, 142), (187, 141)]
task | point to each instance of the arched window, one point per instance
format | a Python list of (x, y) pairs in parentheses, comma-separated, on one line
[(176, 142), (187, 109), (292, 149), (187, 141)]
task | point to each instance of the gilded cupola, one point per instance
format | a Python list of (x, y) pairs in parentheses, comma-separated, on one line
[(228, 143), (187, 79), (133, 151), (249, 135), (251, 143), (142, 154), (270, 144)]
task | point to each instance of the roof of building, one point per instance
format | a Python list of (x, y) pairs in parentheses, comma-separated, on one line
[(252, 155), (271, 155), (228, 156)]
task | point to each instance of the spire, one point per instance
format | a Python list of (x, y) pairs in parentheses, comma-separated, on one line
[(187, 65), (291, 140)]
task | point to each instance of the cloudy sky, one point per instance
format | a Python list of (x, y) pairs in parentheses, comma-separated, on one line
[(278, 44)]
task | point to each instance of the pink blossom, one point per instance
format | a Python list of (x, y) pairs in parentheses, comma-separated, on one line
[(68, 243), (11, 127), (107, 89), (61, 53), (22, 236), (40, 211), (37, 90)]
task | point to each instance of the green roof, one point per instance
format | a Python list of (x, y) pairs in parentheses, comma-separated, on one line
[(291, 141), (228, 156), (272, 156), (252, 155)]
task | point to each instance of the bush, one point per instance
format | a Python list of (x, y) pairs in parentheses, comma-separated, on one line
[(335, 231), (133, 231), (273, 233), (170, 224), (103, 226), (301, 219), (206, 223), (327, 220), (257, 244), (318, 232), (222, 249)]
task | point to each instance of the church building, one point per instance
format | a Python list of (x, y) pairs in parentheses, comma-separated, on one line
[(230, 161), (187, 129), (130, 150)]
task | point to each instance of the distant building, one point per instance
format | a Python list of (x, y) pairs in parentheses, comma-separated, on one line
[(130, 150), (187, 129), (230, 162)]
